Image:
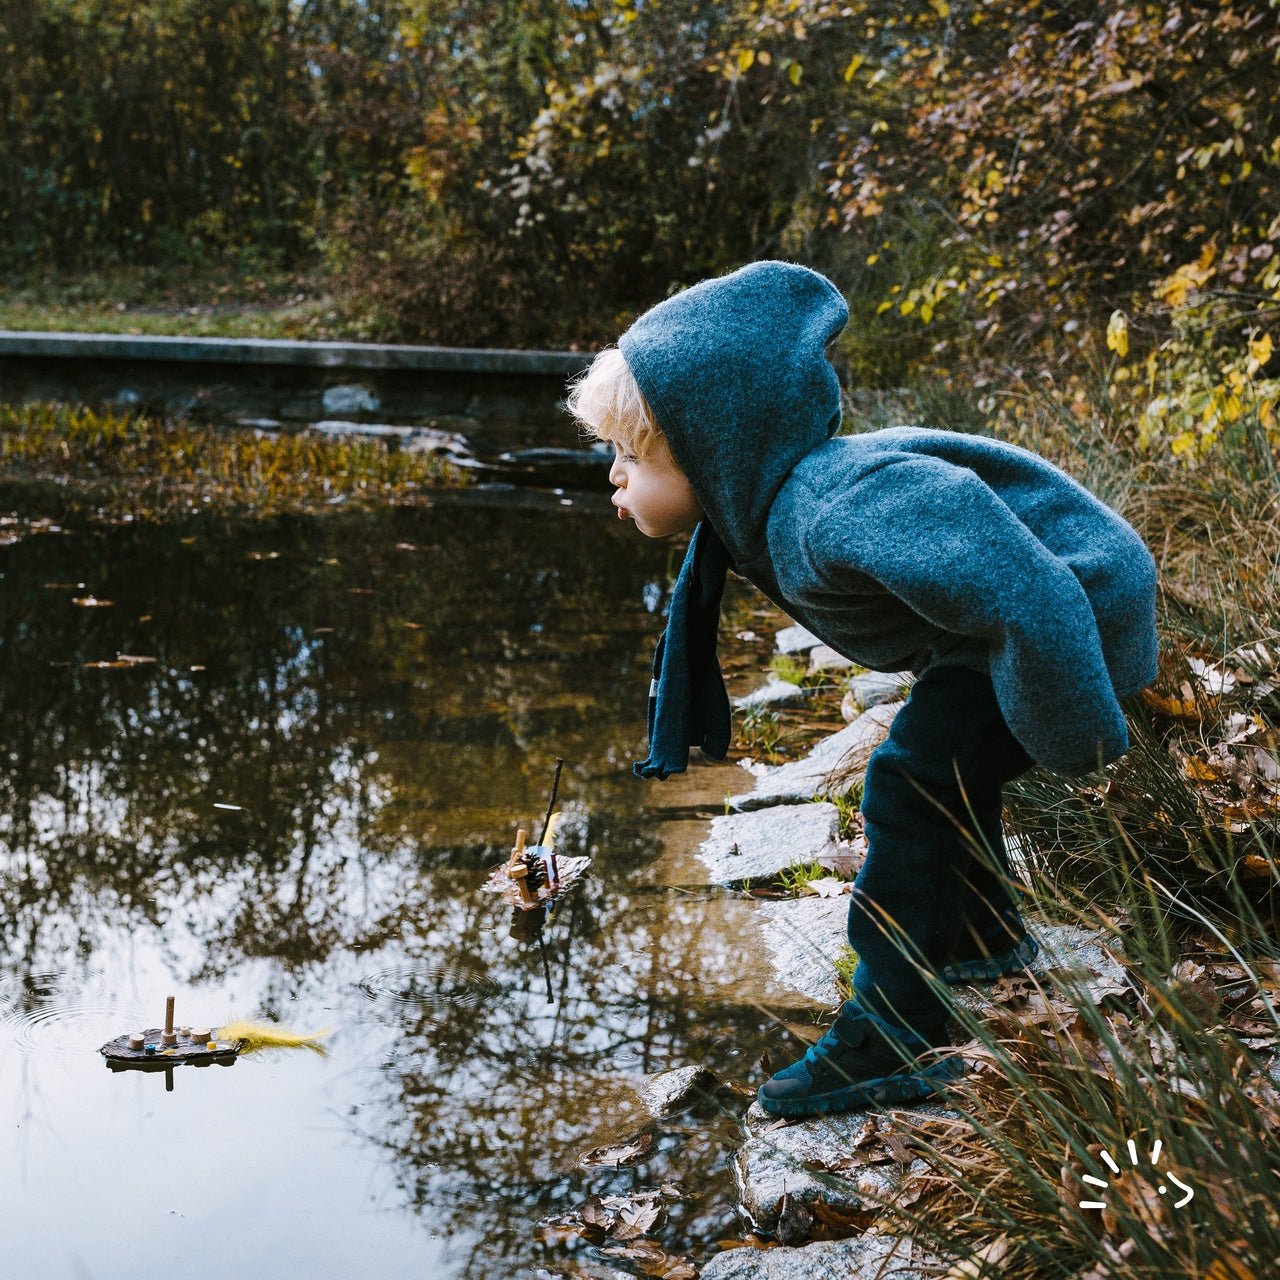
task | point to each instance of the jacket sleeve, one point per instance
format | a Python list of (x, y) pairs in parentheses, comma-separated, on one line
[(940, 539)]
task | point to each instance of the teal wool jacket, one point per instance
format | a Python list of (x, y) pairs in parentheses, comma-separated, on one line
[(902, 549)]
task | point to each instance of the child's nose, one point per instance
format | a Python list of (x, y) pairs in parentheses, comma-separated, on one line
[(616, 473)]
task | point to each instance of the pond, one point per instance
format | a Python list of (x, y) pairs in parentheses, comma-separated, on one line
[(287, 812)]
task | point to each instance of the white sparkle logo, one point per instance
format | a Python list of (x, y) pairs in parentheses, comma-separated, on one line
[(1133, 1157)]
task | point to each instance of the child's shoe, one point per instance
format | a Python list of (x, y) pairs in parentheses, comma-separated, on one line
[(994, 960), (860, 1061)]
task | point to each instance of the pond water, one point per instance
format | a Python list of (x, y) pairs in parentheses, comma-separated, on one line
[(381, 695)]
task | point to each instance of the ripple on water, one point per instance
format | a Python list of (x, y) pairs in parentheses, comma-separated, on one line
[(57, 986), (70, 1030), (433, 986)]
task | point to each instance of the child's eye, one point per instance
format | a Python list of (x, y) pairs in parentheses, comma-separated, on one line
[(628, 457)]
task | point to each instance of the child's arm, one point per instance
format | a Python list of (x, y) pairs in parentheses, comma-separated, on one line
[(941, 540)]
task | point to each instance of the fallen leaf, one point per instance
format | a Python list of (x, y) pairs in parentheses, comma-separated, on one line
[(616, 1157), (829, 887), (655, 1261)]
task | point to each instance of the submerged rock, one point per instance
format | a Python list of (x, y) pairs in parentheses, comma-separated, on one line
[(801, 780), (666, 1092), (759, 845)]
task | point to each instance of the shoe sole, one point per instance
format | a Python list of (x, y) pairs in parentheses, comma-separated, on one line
[(990, 968), (896, 1088)]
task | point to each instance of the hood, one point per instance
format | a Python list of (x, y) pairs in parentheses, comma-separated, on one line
[(736, 373)]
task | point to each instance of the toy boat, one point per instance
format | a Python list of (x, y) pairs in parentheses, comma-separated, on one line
[(535, 876)]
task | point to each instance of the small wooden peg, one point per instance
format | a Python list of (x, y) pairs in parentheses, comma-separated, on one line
[(517, 854), (168, 1038)]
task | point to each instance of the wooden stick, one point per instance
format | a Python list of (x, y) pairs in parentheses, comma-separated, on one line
[(168, 1038), (517, 854), (551, 804)]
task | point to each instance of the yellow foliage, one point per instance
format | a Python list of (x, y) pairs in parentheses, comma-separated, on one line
[(1118, 334)]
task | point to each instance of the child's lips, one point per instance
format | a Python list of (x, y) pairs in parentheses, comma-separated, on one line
[(622, 513)]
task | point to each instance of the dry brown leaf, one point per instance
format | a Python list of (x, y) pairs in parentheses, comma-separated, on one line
[(616, 1157), (655, 1261)]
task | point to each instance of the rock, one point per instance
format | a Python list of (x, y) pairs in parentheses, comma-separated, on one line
[(796, 639), (669, 1091), (804, 936), (824, 658), (801, 780), (757, 846), (774, 693), (349, 399), (863, 1256), (871, 689), (790, 1161)]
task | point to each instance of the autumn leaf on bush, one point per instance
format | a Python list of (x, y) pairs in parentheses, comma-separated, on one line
[(1118, 334)]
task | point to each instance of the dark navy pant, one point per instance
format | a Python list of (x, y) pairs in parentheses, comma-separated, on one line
[(931, 807)]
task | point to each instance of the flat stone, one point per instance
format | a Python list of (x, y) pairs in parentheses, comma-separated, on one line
[(758, 845), (864, 1257), (802, 780), (804, 936), (792, 1161), (668, 1091), (824, 658), (1072, 961), (796, 639), (871, 689), (774, 693)]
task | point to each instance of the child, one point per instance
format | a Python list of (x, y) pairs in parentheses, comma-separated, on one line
[(1025, 607)]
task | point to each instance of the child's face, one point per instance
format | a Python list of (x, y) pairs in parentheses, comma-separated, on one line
[(653, 492)]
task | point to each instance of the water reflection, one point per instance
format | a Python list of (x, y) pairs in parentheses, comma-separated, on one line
[(376, 699)]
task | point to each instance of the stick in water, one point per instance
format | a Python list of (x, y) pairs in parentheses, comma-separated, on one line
[(551, 804)]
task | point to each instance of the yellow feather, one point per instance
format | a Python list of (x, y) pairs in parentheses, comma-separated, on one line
[(266, 1035), (550, 839)]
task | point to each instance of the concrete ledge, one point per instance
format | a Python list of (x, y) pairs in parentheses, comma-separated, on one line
[(279, 351)]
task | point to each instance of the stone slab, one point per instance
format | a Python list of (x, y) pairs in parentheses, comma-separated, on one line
[(774, 693), (804, 936), (871, 689), (824, 658), (802, 780), (760, 844), (790, 1161), (795, 639), (865, 1257)]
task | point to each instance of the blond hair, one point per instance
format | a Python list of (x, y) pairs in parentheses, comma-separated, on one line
[(609, 405)]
